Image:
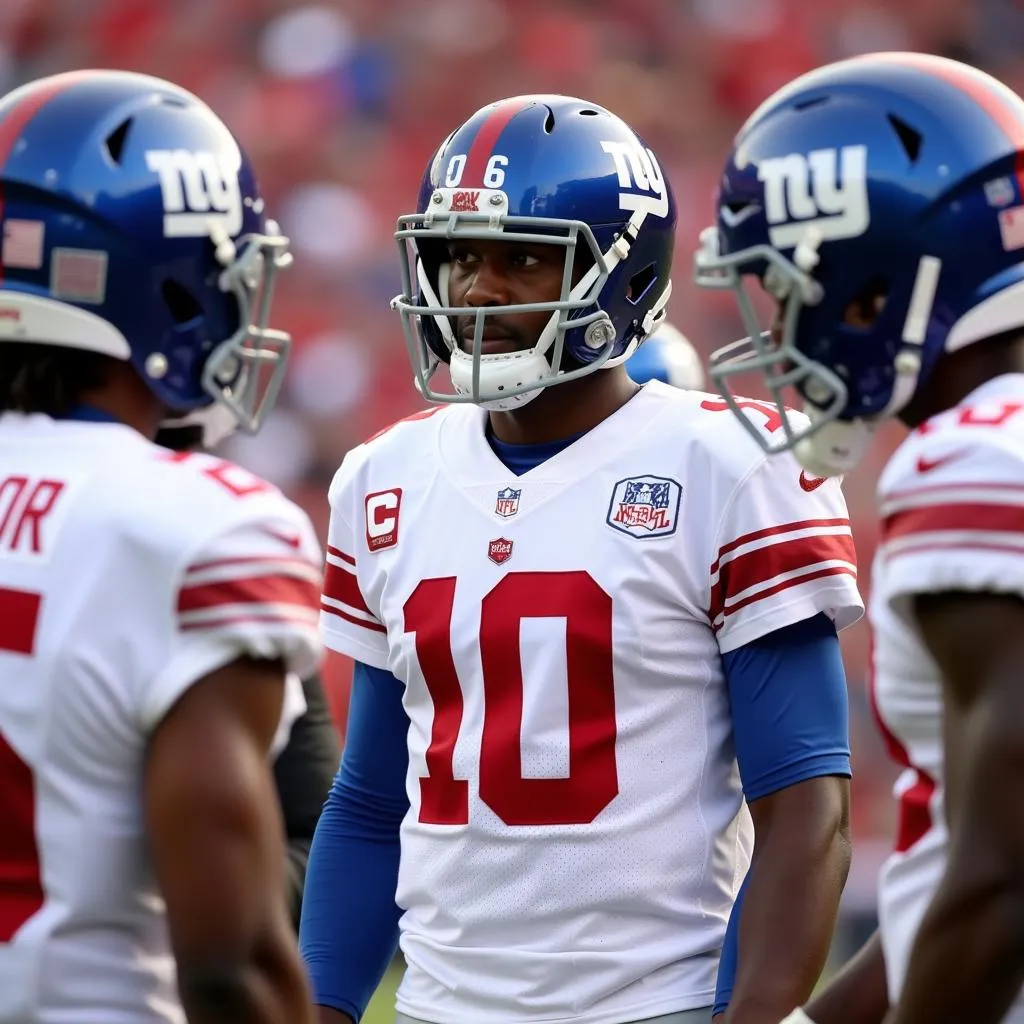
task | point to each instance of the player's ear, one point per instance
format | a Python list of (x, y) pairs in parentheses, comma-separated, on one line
[(864, 309)]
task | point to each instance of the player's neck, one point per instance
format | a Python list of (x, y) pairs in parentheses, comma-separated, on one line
[(128, 400), (565, 410), (960, 373)]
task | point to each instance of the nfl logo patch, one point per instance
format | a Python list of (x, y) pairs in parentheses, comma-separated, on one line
[(645, 506), (507, 504), (499, 551)]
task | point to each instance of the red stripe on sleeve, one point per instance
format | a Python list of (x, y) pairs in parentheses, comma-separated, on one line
[(341, 585), (973, 516), (331, 550), (774, 531), (765, 563), (375, 626), (269, 589)]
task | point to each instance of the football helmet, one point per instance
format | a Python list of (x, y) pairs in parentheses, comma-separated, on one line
[(892, 179), (134, 227), (539, 169), (669, 356)]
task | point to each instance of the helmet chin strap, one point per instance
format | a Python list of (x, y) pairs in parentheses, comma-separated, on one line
[(835, 447), (838, 445), (215, 420)]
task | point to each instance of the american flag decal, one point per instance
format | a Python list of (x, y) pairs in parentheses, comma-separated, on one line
[(23, 244)]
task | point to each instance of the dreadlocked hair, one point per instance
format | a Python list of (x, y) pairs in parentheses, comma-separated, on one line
[(47, 379)]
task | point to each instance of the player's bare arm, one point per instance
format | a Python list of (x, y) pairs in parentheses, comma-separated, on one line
[(218, 849), (801, 858), (856, 995), (973, 932)]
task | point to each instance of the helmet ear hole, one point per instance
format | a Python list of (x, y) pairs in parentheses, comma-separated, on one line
[(181, 303), (640, 283)]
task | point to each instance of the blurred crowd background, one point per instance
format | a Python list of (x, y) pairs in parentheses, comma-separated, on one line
[(341, 104)]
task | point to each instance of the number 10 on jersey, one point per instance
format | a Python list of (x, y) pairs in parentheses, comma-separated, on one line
[(592, 782)]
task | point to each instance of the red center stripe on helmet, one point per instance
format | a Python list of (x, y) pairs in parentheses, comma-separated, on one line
[(998, 101), (19, 116), (486, 136), (14, 122)]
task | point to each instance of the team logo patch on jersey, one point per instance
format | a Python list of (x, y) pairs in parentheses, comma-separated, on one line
[(499, 551), (507, 504), (382, 518), (645, 506)]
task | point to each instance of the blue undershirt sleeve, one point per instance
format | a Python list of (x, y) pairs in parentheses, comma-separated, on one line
[(790, 715), (349, 927)]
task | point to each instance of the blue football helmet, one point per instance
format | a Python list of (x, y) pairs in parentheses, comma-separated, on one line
[(893, 177), (669, 356), (539, 169), (134, 227)]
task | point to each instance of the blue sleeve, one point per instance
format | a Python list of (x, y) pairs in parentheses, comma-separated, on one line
[(790, 715), (730, 955), (790, 722), (349, 927)]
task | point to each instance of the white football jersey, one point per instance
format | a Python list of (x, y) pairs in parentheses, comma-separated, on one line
[(576, 834), (126, 574), (951, 499)]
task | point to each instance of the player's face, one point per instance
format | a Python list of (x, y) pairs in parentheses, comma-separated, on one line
[(485, 273)]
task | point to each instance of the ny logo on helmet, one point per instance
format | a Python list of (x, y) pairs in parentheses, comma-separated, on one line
[(807, 190), (198, 189), (637, 169)]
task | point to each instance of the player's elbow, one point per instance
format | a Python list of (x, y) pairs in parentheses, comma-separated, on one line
[(836, 814), (833, 821)]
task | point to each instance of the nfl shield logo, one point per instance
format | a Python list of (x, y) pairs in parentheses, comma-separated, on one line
[(499, 551), (507, 504), (645, 506)]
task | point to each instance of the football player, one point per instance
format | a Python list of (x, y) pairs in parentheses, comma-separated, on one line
[(879, 201), (151, 604), (669, 356), (588, 619), (305, 767)]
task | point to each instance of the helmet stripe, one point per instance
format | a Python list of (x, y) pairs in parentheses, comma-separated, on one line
[(18, 118), (1000, 102), (487, 135)]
